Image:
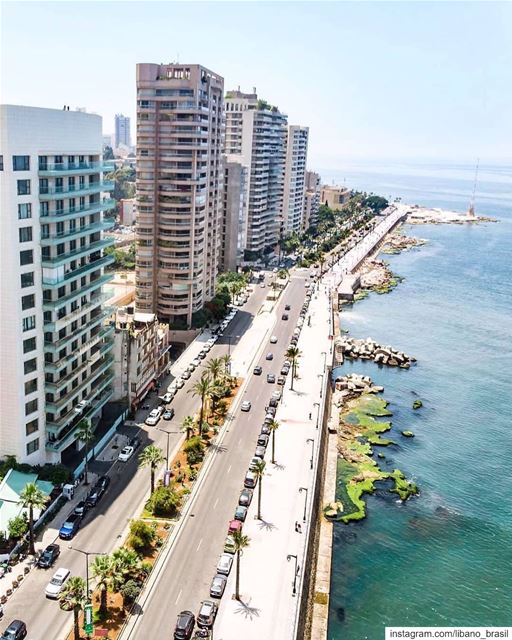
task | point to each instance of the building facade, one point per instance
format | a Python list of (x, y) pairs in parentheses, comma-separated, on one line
[(294, 181), (311, 199), (127, 211), (256, 139), (122, 135), (334, 197), (234, 216), (55, 348), (180, 129)]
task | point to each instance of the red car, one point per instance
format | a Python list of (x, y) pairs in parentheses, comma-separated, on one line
[(234, 525)]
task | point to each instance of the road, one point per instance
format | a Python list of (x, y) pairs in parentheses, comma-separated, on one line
[(185, 579), (104, 527)]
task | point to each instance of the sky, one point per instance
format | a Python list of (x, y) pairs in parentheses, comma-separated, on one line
[(372, 80)]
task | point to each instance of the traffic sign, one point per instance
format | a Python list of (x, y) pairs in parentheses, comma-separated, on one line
[(88, 625)]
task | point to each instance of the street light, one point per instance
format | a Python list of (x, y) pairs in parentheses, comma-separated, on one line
[(317, 405), (312, 449), (295, 573), (324, 354), (321, 375), (301, 489), (87, 554), (168, 433)]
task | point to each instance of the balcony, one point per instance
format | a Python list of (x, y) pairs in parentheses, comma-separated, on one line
[(66, 214), (57, 238), (78, 253), (53, 305), (62, 276), (52, 367), (65, 168), (53, 193), (94, 302), (54, 346)]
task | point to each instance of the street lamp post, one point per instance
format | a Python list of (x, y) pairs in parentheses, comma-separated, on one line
[(301, 489), (321, 375), (168, 433), (87, 554), (317, 405), (295, 573), (324, 354), (312, 450)]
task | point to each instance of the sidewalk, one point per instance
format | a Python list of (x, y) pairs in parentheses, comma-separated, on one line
[(268, 608)]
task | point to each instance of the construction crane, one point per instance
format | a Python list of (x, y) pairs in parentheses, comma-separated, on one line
[(471, 210)]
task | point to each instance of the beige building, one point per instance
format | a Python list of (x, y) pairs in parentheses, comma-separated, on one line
[(256, 138), (234, 214), (294, 181), (334, 197), (127, 211), (180, 130), (311, 199), (141, 354)]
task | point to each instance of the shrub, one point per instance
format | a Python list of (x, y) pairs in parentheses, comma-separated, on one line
[(17, 527), (194, 450), (164, 502), (130, 591), (141, 535)]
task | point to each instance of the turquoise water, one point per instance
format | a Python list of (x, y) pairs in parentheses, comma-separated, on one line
[(445, 557)]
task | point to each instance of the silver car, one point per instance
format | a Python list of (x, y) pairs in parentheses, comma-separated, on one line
[(217, 586), (224, 564)]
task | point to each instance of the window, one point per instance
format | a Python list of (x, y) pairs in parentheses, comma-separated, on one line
[(29, 345), (27, 279), (26, 257), (1, 163), (32, 446), (30, 387), (43, 163), (28, 302), (24, 211), (29, 323), (31, 427), (29, 366), (23, 187), (25, 234), (30, 407), (21, 163), (44, 209)]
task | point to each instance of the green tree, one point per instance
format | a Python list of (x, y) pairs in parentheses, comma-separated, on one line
[(130, 592), (273, 426), (187, 425), (32, 498), (141, 535), (151, 457), (226, 359), (194, 450), (293, 354), (164, 502), (259, 471), (85, 433), (101, 569), (202, 389), (241, 542), (125, 565), (215, 368), (108, 153), (17, 527), (73, 596)]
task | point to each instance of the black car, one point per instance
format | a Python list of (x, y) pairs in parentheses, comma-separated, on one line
[(48, 557), (287, 307), (135, 442), (80, 509), (184, 625), (93, 497), (284, 316), (17, 630), (257, 371), (102, 483)]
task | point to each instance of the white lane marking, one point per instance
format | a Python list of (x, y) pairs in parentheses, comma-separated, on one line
[(216, 503), (200, 543), (179, 595), (229, 469)]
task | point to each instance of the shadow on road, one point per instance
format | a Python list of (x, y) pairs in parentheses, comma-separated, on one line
[(246, 610), (267, 526)]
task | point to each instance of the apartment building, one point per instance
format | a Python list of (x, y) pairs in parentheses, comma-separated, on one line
[(180, 129), (311, 199), (122, 135), (55, 348), (294, 180), (256, 139), (141, 354), (234, 216), (334, 197)]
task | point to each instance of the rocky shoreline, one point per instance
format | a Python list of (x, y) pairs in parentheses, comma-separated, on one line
[(368, 349)]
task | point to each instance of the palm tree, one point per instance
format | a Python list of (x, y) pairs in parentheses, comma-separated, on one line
[(226, 359), (259, 470), (240, 542), (32, 498), (293, 354), (85, 434), (101, 569), (283, 274), (73, 596), (273, 426), (151, 457), (215, 368), (202, 388), (125, 565), (187, 425)]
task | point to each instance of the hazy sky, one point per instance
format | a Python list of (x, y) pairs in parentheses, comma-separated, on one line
[(370, 79)]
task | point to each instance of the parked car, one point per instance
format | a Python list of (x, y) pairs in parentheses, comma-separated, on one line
[(241, 512), (259, 452), (284, 316), (185, 375), (287, 307), (202, 354), (245, 497), (184, 625), (48, 556), (234, 525), (70, 527), (273, 339), (217, 586), (263, 440), (281, 380), (168, 414), (229, 545), (284, 370), (54, 587), (207, 613), (269, 356), (224, 564), (179, 383), (251, 478), (167, 397), (277, 394), (246, 405), (125, 454), (102, 483), (271, 377), (196, 362), (17, 630), (135, 442), (273, 402), (80, 509), (154, 417), (271, 411), (264, 429), (93, 497), (257, 371)]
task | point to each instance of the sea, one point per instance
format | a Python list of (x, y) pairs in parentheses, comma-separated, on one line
[(444, 558)]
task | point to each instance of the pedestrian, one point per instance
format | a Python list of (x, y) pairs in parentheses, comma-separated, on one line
[(296, 526), (299, 528), (310, 415)]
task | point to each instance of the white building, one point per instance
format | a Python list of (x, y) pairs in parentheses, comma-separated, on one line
[(122, 131), (54, 347), (127, 211), (294, 181)]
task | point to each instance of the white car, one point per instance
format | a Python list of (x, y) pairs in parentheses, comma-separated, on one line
[(191, 366), (246, 405), (273, 339), (186, 375), (54, 587), (167, 397), (224, 564), (179, 383), (125, 454), (154, 417), (196, 362)]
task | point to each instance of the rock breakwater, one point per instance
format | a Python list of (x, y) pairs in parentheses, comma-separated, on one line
[(369, 349)]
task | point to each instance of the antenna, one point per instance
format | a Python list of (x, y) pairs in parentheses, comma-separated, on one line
[(471, 210)]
